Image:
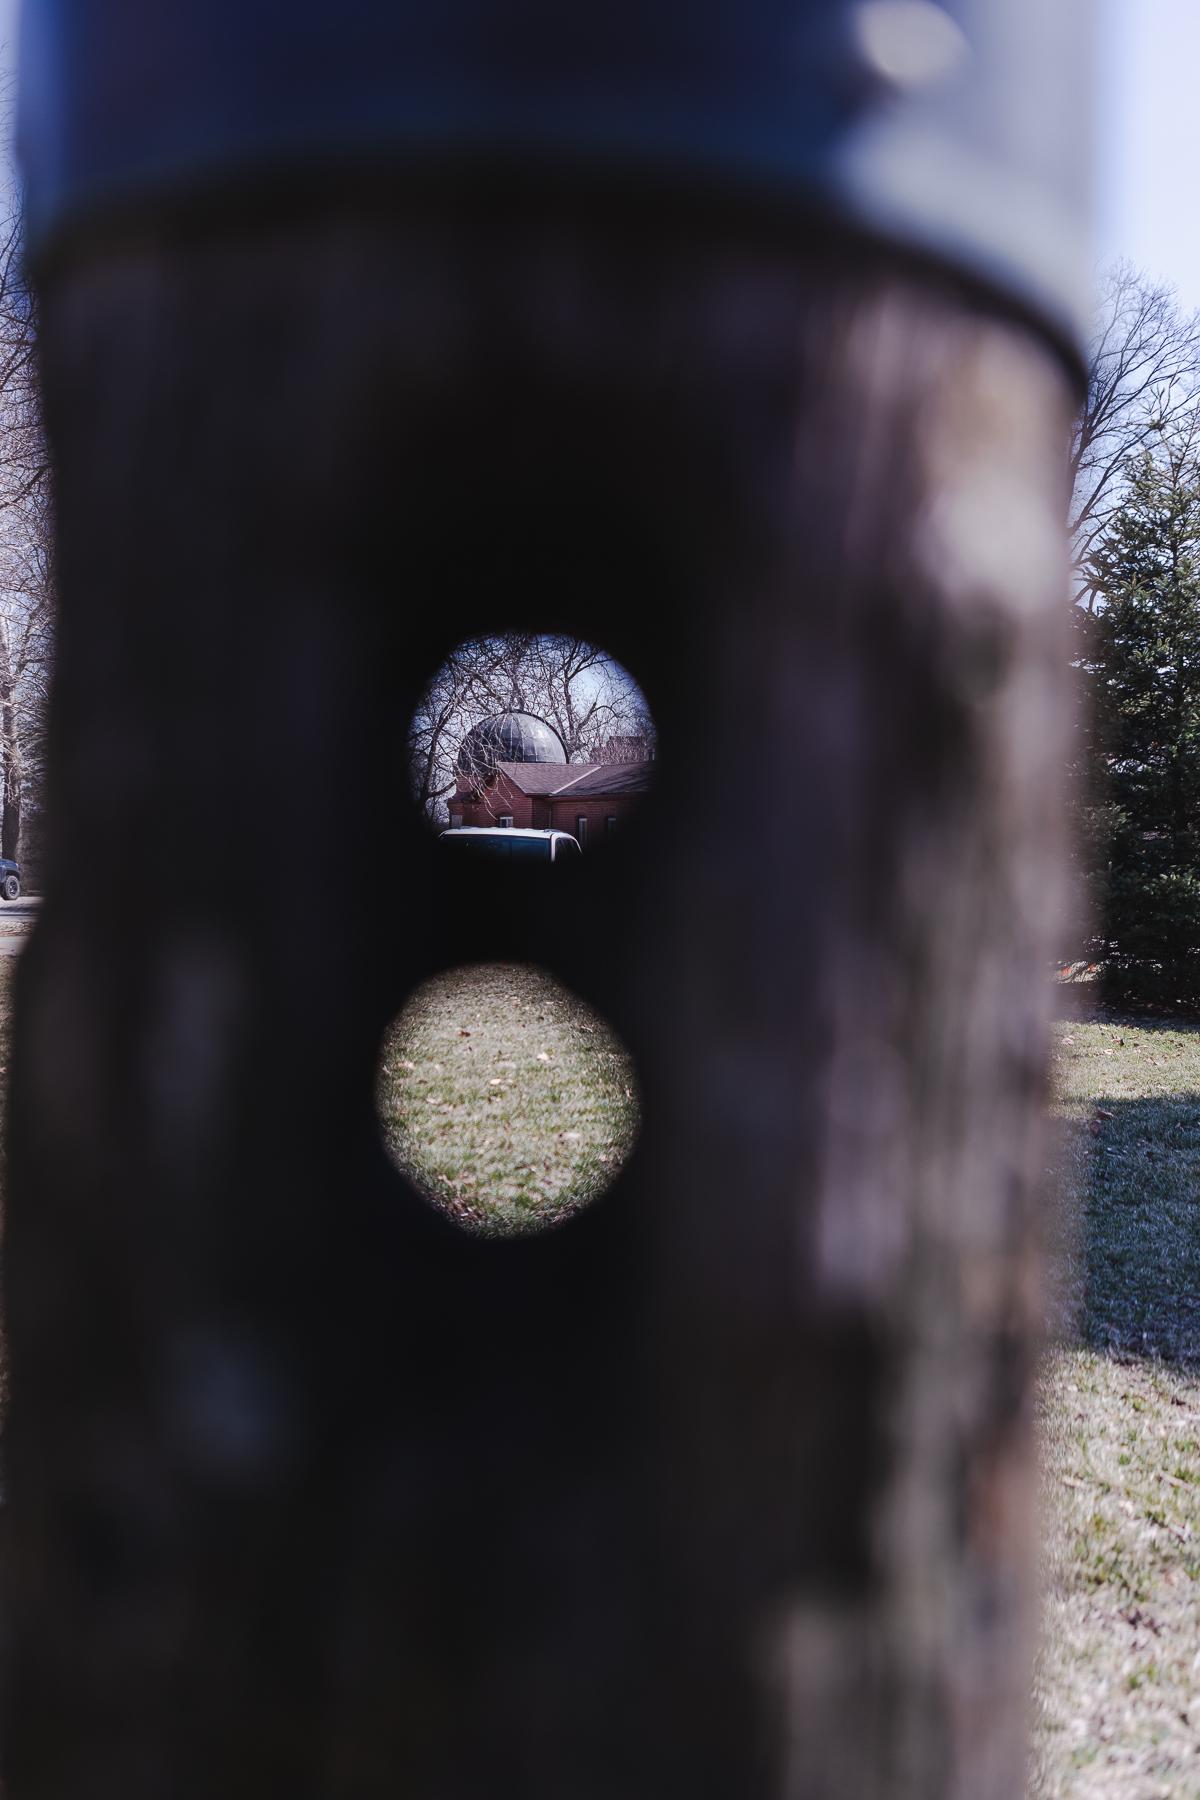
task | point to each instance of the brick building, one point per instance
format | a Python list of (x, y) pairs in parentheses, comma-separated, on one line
[(513, 770)]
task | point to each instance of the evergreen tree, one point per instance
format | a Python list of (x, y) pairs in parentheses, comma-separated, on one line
[(1140, 660)]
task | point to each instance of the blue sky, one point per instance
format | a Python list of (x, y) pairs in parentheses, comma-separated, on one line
[(1148, 139), (1147, 134)]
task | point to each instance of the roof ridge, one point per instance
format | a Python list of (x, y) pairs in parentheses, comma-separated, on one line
[(581, 770)]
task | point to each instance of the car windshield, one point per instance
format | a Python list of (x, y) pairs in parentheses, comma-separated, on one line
[(500, 843)]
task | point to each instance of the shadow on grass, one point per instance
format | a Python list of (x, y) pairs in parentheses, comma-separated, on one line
[(1138, 1205)]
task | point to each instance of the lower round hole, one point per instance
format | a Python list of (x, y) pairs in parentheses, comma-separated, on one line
[(506, 1099)]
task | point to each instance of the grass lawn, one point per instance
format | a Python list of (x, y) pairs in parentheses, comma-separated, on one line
[(507, 1100), (1117, 1711)]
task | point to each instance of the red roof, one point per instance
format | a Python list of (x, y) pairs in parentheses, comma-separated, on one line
[(592, 781), (597, 780)]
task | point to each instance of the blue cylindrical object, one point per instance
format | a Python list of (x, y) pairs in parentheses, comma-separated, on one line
[(957, 129)]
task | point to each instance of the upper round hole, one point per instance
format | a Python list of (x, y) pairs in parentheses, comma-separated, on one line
[(545, 738)]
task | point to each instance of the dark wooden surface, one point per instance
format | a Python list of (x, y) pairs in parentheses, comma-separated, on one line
[(721, 1490)]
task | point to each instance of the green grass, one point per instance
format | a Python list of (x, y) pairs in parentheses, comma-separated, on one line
[(1129, 1169), (1115, 1711), (505, 1098)]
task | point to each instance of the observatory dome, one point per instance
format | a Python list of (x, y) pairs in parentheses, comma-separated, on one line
[(517, 737)]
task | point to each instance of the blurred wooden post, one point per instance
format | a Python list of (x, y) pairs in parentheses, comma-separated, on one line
[(723, 1490)]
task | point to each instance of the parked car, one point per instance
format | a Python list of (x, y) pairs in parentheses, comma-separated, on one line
[(10, 879), (510, 843)]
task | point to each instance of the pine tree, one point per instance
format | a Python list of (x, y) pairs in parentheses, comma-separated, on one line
[(1140, 658)]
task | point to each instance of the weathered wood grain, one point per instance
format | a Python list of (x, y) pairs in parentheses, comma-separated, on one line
[(722, 1490)]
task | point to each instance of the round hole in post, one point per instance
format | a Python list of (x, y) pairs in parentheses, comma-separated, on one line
[(505, 1099), (542, 736)]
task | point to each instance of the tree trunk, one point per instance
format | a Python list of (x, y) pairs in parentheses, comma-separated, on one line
[(10, 817), (722, 1489), (13, 780)]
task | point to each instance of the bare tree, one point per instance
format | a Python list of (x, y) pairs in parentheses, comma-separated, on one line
[(575, 687), (581, 692), (26, 553), (27, 589), (1143, 385)]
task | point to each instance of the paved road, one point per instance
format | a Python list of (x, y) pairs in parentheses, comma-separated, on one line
[(16, 917)]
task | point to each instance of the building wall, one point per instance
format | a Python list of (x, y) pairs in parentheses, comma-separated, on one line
[(543, 814), (500, 798), (596, 811)]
